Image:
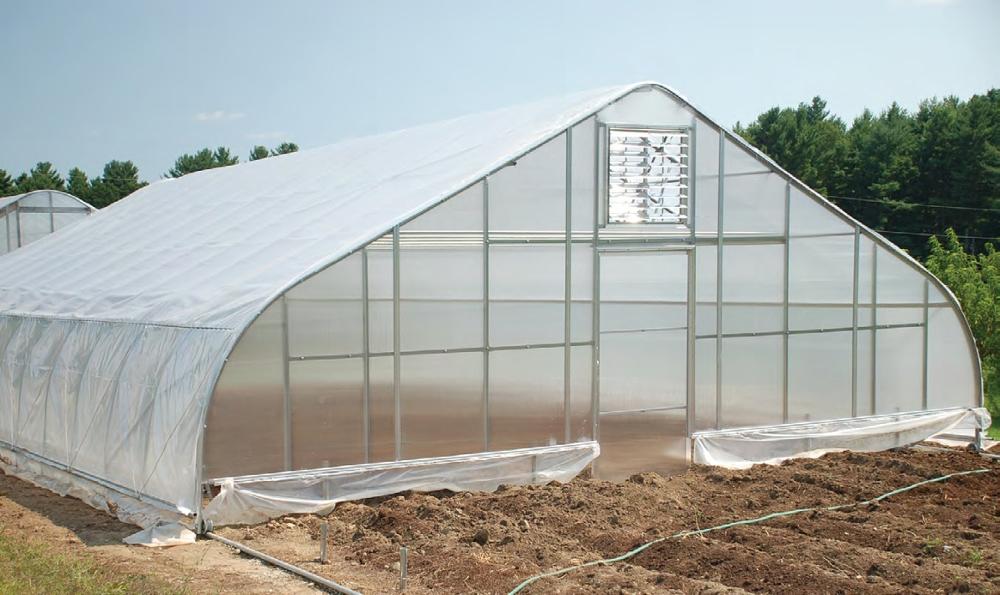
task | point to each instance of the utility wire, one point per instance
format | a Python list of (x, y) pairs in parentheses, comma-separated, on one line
[(914, 204), (927, 235)]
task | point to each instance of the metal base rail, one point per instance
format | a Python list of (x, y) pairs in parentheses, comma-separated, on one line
[(296, 570)]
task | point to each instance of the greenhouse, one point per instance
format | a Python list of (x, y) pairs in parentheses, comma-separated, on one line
[(607, 279), (27, 217)]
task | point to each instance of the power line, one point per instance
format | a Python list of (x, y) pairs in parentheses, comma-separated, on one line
[(914, 204), (927, 235)]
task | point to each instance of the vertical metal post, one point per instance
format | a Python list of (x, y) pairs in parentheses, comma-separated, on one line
[(324, 534), (784, 305), (926, 344), (404, 562), (286, 387), (718, 281), (692, 279), (486, 314), (366, 361), (874, 358), (397, 412), (568, 302), (52, 215), (20, 228), (854, 322), (595, 314)]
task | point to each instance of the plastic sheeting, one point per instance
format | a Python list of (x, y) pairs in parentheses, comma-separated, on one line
[(167, 535), (255, 499), (739, 449)]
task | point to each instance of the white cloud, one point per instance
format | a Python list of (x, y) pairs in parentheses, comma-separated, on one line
[(266, 135), (218, 116)]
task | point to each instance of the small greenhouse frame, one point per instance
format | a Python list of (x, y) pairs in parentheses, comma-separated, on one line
[(27, 217), (451, 307)]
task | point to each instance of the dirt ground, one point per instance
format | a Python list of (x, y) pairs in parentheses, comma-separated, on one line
[(943, 537)]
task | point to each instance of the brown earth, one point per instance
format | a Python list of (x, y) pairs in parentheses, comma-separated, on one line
[(943, 537)]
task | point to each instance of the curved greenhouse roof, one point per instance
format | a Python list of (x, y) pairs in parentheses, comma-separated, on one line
[(27, 217), (315, 310)]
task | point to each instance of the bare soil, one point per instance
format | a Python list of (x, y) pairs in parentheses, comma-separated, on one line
[(944, 537)]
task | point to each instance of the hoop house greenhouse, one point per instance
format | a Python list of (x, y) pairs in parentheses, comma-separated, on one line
[(608, 278), (27, 217)]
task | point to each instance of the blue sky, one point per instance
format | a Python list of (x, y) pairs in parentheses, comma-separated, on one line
[(87, 82)]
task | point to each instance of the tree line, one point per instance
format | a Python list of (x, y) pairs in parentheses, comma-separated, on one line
[(908, 175), (118, 179)]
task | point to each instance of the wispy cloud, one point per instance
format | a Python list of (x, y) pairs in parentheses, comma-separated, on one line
[(218, 116), (266, 135)]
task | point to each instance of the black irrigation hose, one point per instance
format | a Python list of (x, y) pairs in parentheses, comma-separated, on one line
[(753, 521)]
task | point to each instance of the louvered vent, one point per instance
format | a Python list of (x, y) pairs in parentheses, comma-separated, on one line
[(647, 176)]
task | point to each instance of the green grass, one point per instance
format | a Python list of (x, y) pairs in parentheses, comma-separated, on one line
[(33, 567)]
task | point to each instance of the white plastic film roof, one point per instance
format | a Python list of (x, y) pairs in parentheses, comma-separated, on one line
[(60, 199), (212, 248)]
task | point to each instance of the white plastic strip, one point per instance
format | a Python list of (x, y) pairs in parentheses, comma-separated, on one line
[(739, 449), (257, 498)]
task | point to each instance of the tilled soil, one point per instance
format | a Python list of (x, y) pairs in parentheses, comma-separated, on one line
[(943, 537)]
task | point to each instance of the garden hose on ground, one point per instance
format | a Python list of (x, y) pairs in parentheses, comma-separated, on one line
[(753, 521)]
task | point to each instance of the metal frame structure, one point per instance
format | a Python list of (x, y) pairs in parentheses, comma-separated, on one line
[(11, 210)]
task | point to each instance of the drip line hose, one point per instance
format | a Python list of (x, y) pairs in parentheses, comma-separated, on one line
[(753, 521)]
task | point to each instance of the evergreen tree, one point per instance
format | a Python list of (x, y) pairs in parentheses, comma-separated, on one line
[(285, 148), (259, 152), (203, 159), (7, 187), (78, 185), (118, 180), (41, 177)]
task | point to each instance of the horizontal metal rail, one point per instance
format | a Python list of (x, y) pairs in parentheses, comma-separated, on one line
[(491, 348), (812, 331)]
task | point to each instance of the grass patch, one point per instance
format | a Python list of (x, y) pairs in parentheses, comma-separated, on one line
[(33, 567)]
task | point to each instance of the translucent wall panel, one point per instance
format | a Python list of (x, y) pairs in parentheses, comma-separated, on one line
[(442, 404), (642, 441), (807, 216), (584, 176), (327, 402), (951, 364), (462, 212), (821, 282), (582, 284), (441, 297), (13, 231), (706, 279), (704, 378), (380, 294), (325, 312), (526, 398), (751, 381), (61, 220), (706, 190), (34, 226), (819, 376), (40, 199), (530, 195), (4, 247), (899, 365), (527, 294), (581, 390), (643, 290), (248, 402), (754, 200), (643, 370), (647, 107), (898, 281), (752, 288), (865, 376), (381, 410)]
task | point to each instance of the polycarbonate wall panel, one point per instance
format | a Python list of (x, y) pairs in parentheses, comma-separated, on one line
[(581, 391), (647, 107), (952, 380), (866, 388), (381, 410), (705, 384), (821, 282), (527, 294), (706, 279), (530, 194), (526, 398), (752, 288), (380, 296), (61, 220), (898, 281), (705, 196), (754, 194), (4, 247), (642, 441), (325, 311), (584, 176), (441, 297), (248, 402), (643, 290), (899, 366), (327, 399), (751, 381), (642, 370), (582, 290), (819, 376), (34, 226), (808, 217), (442, 404)]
